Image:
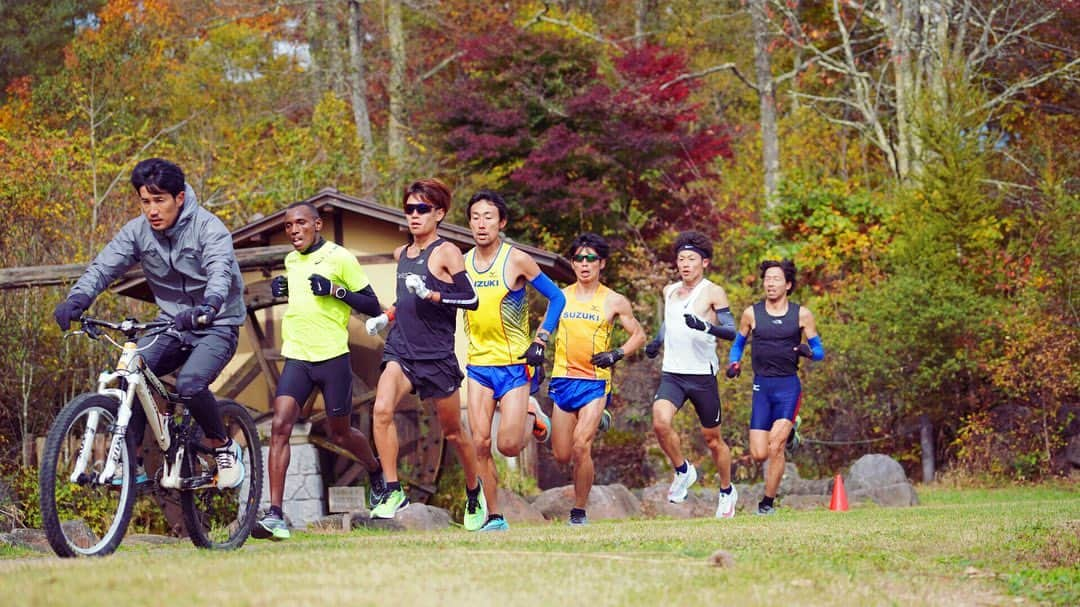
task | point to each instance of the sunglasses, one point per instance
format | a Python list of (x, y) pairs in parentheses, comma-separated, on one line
[(590, 257), (423, 208)]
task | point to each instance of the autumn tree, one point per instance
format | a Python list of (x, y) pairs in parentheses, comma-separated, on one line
[(580, 143)]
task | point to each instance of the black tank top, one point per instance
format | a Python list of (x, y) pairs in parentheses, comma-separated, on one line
[(422, 330), (772, 346)]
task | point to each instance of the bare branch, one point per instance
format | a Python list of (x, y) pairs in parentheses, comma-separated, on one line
[(440, 66), (149, 142), (541, 17), (1070, 70), (711, 70)]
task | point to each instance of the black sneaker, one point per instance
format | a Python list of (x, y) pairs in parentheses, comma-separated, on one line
[(765, 510), (578, 518), (377, 492)]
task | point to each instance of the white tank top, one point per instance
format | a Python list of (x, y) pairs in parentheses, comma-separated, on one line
[(687, 351)]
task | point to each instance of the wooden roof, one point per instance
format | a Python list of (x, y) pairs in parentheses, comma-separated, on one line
[(255, 235)]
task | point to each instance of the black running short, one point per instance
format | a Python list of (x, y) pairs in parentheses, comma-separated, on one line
[(435, 378), (700, 390), (333, 378)]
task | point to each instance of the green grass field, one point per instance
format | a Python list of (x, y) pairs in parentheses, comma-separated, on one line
[(971, 547)]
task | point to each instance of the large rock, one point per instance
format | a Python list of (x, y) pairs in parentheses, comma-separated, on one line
[(35, 539), (517, 510), (416, 517), (880, 479), (605, 502)]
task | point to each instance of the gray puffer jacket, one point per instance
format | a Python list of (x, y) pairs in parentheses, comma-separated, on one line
[(184, 265)]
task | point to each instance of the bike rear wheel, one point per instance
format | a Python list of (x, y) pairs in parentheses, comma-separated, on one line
[(221, 519), (82, 516)]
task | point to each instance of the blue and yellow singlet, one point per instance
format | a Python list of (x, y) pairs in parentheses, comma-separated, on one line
[(498, 330)]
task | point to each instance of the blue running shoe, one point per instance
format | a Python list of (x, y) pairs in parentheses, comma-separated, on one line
[(496, 523)]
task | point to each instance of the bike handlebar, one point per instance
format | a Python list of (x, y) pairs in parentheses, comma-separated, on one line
[(130, 327)]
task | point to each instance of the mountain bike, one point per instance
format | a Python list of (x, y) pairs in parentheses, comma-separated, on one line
[(88, 479)]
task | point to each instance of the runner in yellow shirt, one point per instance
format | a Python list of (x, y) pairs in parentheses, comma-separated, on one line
[(324, 284), (503, 359), (581, 377)]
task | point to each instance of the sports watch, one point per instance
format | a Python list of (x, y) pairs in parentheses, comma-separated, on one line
[(340, 292)]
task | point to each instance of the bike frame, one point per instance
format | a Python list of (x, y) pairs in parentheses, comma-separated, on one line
[(132, 369)]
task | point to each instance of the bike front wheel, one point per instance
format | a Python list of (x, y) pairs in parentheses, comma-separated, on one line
[(216, 518), (82, 515)]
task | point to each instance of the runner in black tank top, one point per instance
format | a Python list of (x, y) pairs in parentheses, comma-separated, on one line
[(777, 327), (774, 339), (424, 329), (419, 353)]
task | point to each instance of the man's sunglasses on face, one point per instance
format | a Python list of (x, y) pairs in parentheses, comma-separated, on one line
[(422, 208), (587, 257)]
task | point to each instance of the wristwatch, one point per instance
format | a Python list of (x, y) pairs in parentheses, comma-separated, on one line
[(543, 336), (340, 292)]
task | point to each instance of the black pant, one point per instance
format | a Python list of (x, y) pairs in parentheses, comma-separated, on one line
[(200, 357)]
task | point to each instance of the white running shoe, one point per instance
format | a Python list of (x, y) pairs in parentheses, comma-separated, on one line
[(681, 484), (230, 467), (725, 506)]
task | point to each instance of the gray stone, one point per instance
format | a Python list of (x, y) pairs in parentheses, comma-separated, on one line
[(149, 539), (804, 501), (335, 522), (516, 509), (893, 496), (416, 517), (35, 539), (605, 502), (303, 512), (880, 479), (346, 499), (874, 470)]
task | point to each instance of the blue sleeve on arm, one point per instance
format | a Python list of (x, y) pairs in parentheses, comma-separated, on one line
[(556, 301), (737, 348), (816, 348)]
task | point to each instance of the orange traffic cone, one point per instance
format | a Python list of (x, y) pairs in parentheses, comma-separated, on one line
[(839, 496)]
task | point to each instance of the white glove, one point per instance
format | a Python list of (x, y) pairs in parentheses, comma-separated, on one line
[(376, 324), (415, 284)]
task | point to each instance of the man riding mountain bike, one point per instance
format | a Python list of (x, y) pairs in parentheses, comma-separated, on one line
[(187, 258)]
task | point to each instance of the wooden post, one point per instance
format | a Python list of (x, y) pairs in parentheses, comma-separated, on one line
[(926, 440)]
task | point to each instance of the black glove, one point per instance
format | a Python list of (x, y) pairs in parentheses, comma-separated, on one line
[(279, 286), (733, 370), (696, 323), (534, 355), (804, 351), (70, 309), (320, 285), (653, 348), (607, 359), (196, 317)]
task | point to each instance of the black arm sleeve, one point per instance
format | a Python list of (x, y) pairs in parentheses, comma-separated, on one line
[(363, 301), (461, 294), (725, 327)]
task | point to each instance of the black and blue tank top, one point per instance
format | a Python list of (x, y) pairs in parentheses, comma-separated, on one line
[(773, 342)]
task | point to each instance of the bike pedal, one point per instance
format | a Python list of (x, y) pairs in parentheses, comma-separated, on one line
[(201, 481)]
